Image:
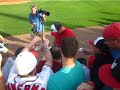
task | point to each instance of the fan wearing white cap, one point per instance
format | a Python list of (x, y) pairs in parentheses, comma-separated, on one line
[(23, 74), (59, 32)]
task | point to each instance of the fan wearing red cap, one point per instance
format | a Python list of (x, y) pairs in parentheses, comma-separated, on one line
[(112, 38), (60, 32), (109, 74)]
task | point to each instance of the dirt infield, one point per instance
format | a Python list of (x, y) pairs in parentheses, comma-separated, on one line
[(4, 2), (83, 36)]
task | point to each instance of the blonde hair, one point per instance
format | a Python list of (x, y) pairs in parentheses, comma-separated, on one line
[(32, 6)]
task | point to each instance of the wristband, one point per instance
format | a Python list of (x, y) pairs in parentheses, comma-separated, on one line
[(48, 48)]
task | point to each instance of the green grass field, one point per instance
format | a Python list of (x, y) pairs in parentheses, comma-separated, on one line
[(71, 13)]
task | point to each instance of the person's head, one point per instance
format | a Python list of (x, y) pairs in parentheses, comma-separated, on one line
[(57, 26), (109, 74), (99, 45), (18, 51), (33, 9), (55, 51), (25, 64), (112, 35), (69, 47)]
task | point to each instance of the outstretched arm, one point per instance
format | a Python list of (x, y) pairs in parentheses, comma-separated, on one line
[(48, 56), (32, 43)]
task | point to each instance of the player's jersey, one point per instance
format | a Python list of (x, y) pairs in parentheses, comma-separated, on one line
[(38, 82)]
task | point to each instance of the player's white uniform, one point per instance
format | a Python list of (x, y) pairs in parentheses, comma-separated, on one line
[(38, 82)]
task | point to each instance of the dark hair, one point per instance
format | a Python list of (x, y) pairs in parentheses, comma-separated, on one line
[(55, 51), (18, 51), (102, 46), (58, 25), (69, 47)]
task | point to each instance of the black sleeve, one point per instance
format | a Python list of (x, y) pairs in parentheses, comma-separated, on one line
[(99, 61)]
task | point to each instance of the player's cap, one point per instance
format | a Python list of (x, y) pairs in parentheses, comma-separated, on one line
[(34, 53), (53, 28), (25, 62), (97, 42), (57, 26)]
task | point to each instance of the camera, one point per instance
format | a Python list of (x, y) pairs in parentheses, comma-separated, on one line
[(44, 12)]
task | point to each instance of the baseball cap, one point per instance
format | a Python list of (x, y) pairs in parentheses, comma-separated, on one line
[(53, 28), (112, 31), (109, 74), (34, 53), (25, 62), (56, 26), (97, 42)]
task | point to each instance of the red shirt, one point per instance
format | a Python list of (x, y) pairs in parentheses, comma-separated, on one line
[(67, 32), (56, 66), (57, 36)]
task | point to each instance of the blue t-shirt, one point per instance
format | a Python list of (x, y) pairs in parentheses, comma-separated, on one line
[(115, 53), (37, 21), (68, 78)]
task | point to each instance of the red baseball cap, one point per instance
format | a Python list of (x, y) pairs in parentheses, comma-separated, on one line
[(34, 53), (112, 31), (109, 74)]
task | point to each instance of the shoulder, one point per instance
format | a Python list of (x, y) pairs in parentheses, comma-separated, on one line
[(78, 68), (69, 32), (67, 29), (52, 85), (30, 14), (56, 76), (78, 63)]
